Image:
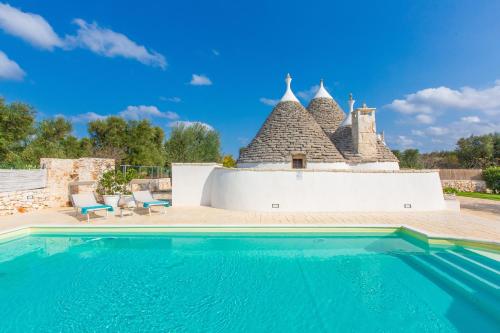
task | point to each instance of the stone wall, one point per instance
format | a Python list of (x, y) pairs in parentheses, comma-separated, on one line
[(61, 173), (465, 185), (153, 185), (23, 201)]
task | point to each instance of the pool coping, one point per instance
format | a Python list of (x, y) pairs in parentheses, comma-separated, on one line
[(415, 233)]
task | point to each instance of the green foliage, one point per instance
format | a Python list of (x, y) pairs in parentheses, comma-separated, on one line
[(144, 144), (133, 142), (479, 195), (440, 160), (408, 159), (112, 182), (491, 176), (16, 125), (450, 190), (109, 137), (228, 161), (195, 143), (479, 151), (53, 139), (108, 184)]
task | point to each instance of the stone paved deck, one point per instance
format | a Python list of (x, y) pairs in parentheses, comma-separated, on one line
[(441, 224)]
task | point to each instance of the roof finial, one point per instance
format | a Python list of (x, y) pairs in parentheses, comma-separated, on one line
[(364, 105), (322, 93), (351, 103), (348, 119), (289, 96)]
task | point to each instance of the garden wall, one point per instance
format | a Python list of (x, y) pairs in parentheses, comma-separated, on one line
[(59, 174), (306, 190), (463, 180)]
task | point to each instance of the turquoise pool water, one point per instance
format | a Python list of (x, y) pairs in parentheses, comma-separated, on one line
[(244, 284)]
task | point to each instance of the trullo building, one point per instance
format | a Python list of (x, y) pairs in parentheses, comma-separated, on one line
[(311, 159), (320, 136)]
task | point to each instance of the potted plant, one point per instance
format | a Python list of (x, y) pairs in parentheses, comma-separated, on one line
[(109, 188), (124, 179), (114, 185)]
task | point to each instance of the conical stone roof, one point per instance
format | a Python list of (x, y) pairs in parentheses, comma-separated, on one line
[(290, 129), (326, 111)]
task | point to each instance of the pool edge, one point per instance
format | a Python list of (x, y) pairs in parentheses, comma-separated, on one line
[(414, 233)]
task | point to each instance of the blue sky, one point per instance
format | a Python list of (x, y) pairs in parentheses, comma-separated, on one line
[(430, 68)]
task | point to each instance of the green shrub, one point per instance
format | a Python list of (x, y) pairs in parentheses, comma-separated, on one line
[(112, 182), (450, 190), (491, 176), (228, 161)]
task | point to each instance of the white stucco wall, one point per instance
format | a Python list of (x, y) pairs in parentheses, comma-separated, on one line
[(287, 165), (306, 191), (375, 166), (192, 183)]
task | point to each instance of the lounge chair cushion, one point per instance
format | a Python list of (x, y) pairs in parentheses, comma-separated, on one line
[(88, 209), (156, 203)]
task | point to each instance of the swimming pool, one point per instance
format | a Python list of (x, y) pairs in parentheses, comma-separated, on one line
[(246, 282)]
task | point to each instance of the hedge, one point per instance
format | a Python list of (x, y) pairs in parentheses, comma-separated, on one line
[(491, 176)]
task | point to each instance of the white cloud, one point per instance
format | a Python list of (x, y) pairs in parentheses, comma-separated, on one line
[(417, 132), (187, 123), (268, 101), (215, 52), (136, 112), (453, 113), (471, 119), (424, 119), (28, 26), (404, 141), (200, 80), (309, 93), (433, 99), (9, 69), (85, 117), (174, 99), (437, 131), (112, 44)]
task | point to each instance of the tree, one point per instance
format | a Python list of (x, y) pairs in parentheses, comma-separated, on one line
[(132, 142), (194, 143), (109, 137), (440, 160), (144, 144), (53, 139), (408, 159), (16, 126), (228, 161), (478, 151)]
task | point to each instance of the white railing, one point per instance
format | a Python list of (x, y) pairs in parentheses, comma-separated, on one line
[(19, 180)]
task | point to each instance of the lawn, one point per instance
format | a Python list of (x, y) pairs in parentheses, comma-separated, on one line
[(478, 195)]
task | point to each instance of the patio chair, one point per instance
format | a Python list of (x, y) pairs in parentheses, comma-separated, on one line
[(144, 199), (85, 203)]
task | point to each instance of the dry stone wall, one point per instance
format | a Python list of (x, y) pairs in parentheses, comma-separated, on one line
[(61, 173), (465, 185), (23, 201)]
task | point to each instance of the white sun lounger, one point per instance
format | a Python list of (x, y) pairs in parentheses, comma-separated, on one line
[(144, 199), (85, 203)]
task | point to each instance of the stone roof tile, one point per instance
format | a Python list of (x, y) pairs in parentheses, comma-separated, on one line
[(290, 129)]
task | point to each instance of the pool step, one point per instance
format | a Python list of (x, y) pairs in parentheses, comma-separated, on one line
[(474, 288), (483, 270), (474, 276), (492, 263)]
